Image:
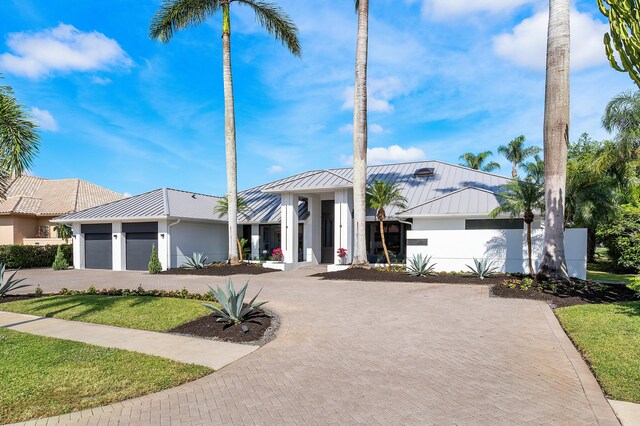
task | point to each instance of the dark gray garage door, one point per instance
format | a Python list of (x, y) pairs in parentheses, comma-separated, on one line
[(97, 246), (140, 238)]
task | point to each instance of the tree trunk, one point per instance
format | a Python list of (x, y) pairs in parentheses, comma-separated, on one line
[(531, 271), (591, 245), (384, 243), (230, 136), (360, 139), (514, 171), (240, 251), (556, 137)]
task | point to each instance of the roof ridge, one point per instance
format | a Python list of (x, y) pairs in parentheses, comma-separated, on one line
[(191, 192)]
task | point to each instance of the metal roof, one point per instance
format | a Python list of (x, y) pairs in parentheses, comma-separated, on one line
[(466, 201)]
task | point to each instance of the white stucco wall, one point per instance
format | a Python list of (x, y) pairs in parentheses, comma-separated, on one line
[(189, 237), (452, 250), (438, 224)]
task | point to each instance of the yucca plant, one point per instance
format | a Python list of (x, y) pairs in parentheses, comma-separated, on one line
[(197, 261), (483, 268), (11, 283), (421, 266), (232, 307)]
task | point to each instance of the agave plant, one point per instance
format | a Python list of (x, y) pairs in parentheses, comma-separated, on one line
[(11, 284), (483, 268), (232, 307), (197, 261), (421, 266)]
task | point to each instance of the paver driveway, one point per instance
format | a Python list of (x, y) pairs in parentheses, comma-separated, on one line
[(372, 353)]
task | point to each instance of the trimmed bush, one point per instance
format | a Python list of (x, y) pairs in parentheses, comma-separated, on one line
[(60, 263), (621, 237), (19, 256), (154, 262)]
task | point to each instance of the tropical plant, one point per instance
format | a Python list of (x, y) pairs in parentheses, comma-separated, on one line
[(64, 231), (483, 268), (534, 170), (420, 266), (517, 153), (621, 236), (222, 208), (381, 195), (277, 254), (623, 35), (521, 198), (479, 161), (154, 263), (11, 283), (244, 249), (634, 285), (197, 261), (19, 141), (174, 15), (359, 258), (60, 263), (232, 309), (553, 266)]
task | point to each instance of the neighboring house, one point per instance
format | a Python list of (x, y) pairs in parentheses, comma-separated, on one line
[(310, 216), (31, 202)]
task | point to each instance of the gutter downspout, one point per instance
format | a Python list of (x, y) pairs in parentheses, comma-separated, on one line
[(169, 242)]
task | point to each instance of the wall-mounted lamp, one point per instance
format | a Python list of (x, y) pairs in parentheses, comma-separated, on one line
[(75, 237), (115, 236), (162, 236)]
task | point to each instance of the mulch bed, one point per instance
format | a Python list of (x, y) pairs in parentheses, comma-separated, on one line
[(580, 293), (16, 297), (221, 270), (262, 327), (361, 274)]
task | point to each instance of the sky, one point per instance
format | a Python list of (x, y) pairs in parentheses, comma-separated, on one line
[(445, 77)]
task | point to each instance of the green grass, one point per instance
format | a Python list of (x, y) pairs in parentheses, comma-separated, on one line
[(608, 336), (43, 376), (140, 312), (601, 272)]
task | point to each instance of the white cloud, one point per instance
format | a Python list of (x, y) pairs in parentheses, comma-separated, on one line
[(376, 128), (102, 81), (61, 49), (275, 169), (44, 119), (526, 45), (392, 154), (127, 194), (380, 94), (442, 9), (347, 128)]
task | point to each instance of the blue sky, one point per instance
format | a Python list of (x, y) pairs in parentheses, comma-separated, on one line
[(445, 78)]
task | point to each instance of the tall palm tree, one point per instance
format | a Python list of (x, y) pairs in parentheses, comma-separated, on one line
[(521, 198), (381, 195), (174, 15), (556, 139), (534, 170), (19, 141), (517, 153), (360, 137), (479, 161), (222, 208)]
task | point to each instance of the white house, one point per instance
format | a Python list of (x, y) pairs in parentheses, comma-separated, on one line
[(310, 215)]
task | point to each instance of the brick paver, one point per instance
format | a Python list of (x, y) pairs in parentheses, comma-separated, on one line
[(372, 353)]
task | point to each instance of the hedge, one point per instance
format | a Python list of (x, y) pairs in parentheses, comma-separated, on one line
[(19, 256), (621, 237)]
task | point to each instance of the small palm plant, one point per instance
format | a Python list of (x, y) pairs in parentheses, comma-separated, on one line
[(232, 309), (197, 261), (11, 283), (483, 268), (64, 231), (421, 266), (381, 195)]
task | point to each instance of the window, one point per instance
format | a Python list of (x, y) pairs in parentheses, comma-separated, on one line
[(494, 224)]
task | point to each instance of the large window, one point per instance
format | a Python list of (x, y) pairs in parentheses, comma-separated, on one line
[(394, 235)]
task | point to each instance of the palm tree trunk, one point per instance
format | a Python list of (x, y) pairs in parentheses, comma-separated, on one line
[(556, 135), (360, 139), (514, 171), (230, 136), (384, 243), (239, 251), (531, 271)]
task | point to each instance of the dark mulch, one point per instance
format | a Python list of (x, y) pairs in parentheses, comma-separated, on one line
[(261, 326), (222, 269), (580, 293), (361, 274)]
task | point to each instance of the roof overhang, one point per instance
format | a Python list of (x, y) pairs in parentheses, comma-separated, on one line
[(309, 190)]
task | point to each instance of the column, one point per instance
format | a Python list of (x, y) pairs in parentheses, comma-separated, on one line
[(118, 247), (255, 242), (78, 246), (312, 230), (343, 223), (163, 244), (289, 227)]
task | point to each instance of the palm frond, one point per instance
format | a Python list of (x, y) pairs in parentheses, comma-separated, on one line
[(277, 23), (174, 15), (222, 207)]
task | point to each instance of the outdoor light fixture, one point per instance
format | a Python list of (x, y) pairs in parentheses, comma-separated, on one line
[(115, 236), (162, 236)]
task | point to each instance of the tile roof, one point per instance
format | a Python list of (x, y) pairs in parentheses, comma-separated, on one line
[(33, 195)]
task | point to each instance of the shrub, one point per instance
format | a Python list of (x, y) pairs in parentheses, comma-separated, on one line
[(181, 294), (483, 268), (19, 256), (38, 292), (621, 237), (277, 254), (232, 307), (154, 262), (11, 283), (634, 285), (421, 266), (197, 261), (60, 262)]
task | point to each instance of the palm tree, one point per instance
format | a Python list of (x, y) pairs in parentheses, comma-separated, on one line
[(534, 170), (477, 162), (19, 142), (222, 208), (64, 231), (360, 137), (381, 195), (174, 15), (521, 198), (556, 139), (517, 153)]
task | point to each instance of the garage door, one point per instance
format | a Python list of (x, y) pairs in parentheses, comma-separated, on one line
[(140, 237), (98, 246)]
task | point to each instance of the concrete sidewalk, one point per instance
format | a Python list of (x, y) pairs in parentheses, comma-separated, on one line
[(190, 350)]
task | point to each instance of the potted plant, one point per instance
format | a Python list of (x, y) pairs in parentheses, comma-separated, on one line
[(342, 254), (277, 255)]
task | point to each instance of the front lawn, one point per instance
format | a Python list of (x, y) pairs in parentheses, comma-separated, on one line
[(602, 272), (140, 312), (43, 376), (608, 336)]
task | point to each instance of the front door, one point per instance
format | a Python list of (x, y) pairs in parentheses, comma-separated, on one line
[(328, 246)]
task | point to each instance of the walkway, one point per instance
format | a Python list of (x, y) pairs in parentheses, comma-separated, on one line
[(372, 353), (185, 349)]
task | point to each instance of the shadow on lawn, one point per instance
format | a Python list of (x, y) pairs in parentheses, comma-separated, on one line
[(631, 309)]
